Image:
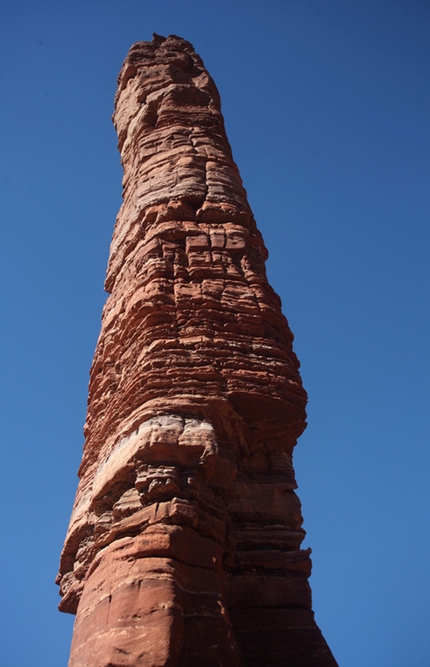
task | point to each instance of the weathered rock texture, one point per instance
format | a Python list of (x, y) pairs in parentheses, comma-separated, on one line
[(184, 544)]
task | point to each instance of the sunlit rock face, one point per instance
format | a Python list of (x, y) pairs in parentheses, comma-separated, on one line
[(183, 548)]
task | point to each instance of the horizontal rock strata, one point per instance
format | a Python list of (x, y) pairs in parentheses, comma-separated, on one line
[(184, 543)]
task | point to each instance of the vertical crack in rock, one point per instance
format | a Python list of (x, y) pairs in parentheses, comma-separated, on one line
[(184, 544)]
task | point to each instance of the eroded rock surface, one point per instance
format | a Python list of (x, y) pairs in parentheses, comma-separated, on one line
[(184, 543)]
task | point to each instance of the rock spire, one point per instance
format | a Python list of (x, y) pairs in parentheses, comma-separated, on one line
[(184, 544)]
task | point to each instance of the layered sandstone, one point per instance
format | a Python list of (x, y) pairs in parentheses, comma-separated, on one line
[(184, 543)]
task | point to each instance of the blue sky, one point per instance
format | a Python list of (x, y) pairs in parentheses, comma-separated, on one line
[(326, 105)]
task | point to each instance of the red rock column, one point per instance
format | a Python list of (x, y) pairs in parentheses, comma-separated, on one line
[(184, 543)]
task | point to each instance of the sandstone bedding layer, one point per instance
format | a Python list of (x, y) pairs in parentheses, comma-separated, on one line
[(184, 543)]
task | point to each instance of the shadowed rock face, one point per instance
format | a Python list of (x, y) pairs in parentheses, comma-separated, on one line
[(184, 543)]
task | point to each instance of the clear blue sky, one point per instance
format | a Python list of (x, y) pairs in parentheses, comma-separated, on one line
[(327, 109)]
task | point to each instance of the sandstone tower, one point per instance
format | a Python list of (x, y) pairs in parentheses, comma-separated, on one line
[(183, 548)]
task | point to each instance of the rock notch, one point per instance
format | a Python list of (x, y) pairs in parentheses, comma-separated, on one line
[(184, 544)]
